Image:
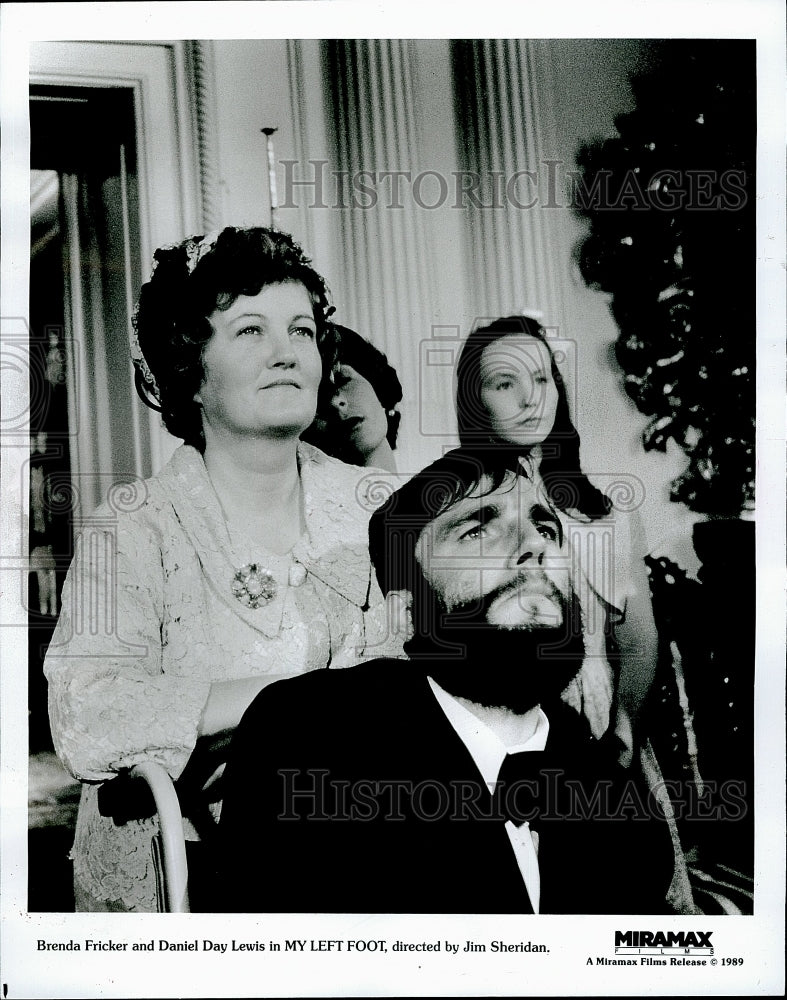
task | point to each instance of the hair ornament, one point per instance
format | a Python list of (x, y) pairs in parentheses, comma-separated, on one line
[(197, 246), (144, 377)]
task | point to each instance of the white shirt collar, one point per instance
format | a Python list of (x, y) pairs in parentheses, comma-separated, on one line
[(485, 746)]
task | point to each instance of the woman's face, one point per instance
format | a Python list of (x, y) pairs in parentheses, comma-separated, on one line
[(517, 389), (358, 413), (262, 366)]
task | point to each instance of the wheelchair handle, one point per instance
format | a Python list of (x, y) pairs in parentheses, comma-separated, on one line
[(173, 848)]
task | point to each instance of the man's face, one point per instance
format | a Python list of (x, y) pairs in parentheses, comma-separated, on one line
[(497, 622), (501, 550)]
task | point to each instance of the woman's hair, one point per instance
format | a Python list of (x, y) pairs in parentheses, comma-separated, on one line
[(370, 362), (191, 280), (567, 486), (360, 354)]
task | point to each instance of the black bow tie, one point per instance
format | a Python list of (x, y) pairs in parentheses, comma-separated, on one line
[(520, 793)]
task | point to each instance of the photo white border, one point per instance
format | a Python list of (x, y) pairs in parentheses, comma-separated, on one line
[(760, 938)]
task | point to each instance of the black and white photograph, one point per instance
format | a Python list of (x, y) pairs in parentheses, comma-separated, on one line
[(393, 499)]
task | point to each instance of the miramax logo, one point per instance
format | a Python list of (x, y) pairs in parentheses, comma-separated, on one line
[(648, 948), (662, 939)]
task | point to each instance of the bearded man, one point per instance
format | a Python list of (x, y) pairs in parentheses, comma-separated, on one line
[(455, 781)]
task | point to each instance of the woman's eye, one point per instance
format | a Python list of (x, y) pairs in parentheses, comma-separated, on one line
[(541, 380), (304, 331), (252, 329), (505, 383)]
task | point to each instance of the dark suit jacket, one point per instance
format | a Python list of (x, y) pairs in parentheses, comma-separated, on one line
[(349, 791)]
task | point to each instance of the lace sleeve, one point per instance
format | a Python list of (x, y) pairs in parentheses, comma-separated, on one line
[(372, 637), (111, 704)]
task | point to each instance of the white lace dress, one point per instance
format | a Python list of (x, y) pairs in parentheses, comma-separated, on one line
[(149, 621)]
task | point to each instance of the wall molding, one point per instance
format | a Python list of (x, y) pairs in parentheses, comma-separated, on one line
[(199, 60)]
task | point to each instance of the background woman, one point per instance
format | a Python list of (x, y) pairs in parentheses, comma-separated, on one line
[(357, 420), (243, 561), (510, 393)]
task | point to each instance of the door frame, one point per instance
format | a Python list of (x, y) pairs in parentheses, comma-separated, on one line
[(172, 88)]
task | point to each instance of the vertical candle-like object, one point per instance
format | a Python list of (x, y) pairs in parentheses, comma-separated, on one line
[(268, 133)]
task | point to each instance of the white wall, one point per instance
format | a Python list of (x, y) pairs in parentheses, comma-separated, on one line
[(253, 92)]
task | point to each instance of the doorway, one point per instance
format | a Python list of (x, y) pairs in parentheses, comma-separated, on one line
[(84, 221)]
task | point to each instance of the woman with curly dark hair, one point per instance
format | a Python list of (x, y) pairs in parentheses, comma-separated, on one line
[(357, 419), (511, 394), (244, 560)]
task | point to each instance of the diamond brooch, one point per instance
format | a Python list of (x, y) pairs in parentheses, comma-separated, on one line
[(253, 586)]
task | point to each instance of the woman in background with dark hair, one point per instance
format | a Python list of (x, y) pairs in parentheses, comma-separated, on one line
[(511, 394), (357, 420), (243, 561)]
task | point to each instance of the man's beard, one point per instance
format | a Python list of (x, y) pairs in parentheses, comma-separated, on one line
[(514, 668)]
